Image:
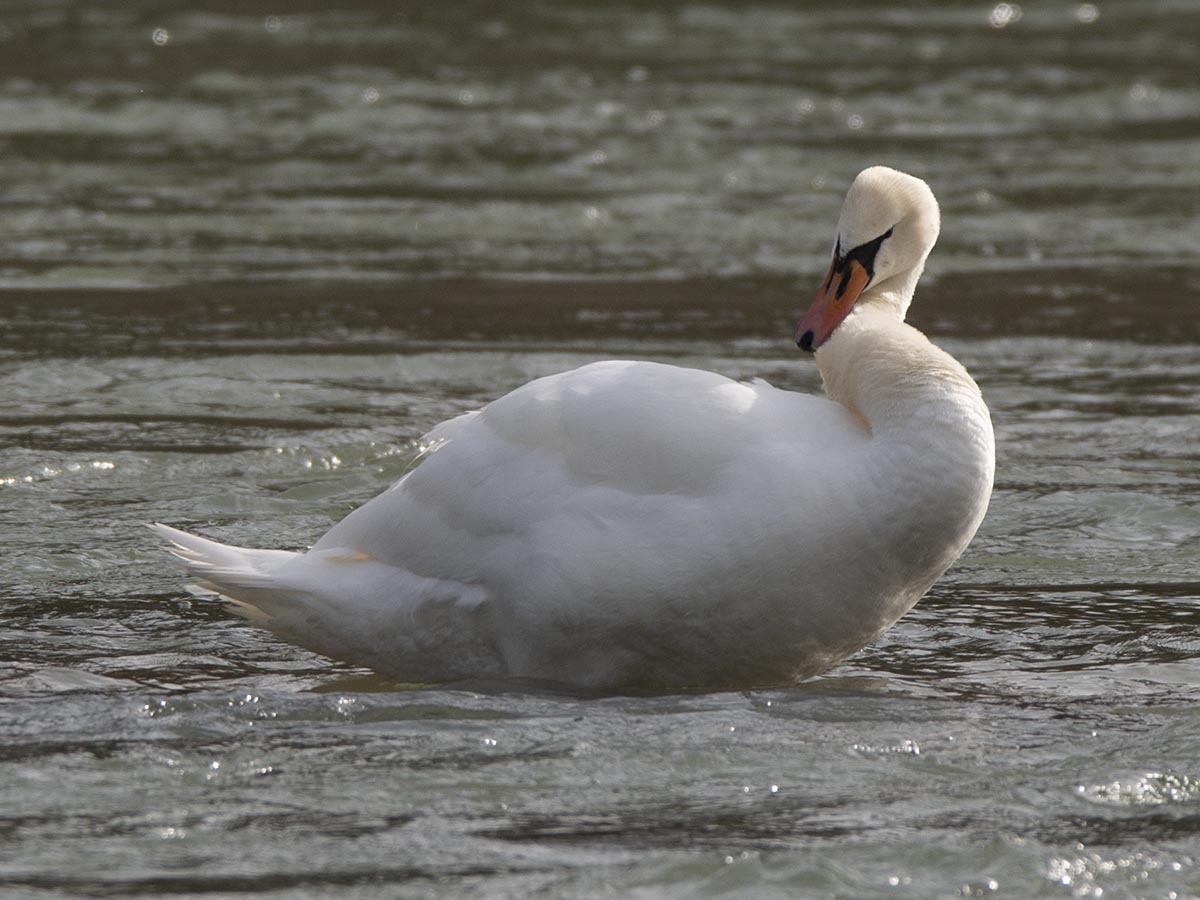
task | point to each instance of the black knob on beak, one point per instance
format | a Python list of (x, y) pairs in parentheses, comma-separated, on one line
[(805, 341)]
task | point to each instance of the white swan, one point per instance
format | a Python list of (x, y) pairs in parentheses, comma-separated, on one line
[(630, 525)]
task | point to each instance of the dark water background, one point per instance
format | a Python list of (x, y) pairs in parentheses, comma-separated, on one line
[(248, 254)]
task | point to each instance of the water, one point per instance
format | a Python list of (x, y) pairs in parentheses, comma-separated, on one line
[(249, 255)]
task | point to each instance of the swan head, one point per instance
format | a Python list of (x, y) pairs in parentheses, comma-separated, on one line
[(888, 225)]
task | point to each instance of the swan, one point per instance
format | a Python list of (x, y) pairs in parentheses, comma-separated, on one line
[(638, 526)]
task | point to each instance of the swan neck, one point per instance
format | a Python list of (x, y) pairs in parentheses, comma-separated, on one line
[(892, 376), (896, 292), (931, 455)]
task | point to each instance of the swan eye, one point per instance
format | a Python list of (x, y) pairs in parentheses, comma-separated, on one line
[(863, 254)]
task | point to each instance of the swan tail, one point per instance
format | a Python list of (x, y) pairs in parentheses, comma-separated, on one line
[(345, 604), (243, 578)]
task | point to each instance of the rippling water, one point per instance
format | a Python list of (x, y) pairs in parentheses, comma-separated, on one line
[(249, 254)]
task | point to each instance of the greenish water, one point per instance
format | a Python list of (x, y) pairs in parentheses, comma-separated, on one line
[(248, 255)]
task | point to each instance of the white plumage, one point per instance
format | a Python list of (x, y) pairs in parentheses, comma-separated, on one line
[(630, 525)]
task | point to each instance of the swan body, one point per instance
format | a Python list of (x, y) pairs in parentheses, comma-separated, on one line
[(631, 525)]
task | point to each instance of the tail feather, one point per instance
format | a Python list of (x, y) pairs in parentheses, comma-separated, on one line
[(346, 604), (243, 577)]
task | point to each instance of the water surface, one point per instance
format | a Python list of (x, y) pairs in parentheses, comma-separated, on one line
[(250, 255)]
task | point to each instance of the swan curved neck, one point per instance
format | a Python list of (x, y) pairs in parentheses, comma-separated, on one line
[(892, 376), (897, 292), (927, 469)]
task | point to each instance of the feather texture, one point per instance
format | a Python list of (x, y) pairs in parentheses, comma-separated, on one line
[(637, 525)]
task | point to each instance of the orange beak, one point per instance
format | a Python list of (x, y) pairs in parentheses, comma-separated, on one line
[(834, 301)]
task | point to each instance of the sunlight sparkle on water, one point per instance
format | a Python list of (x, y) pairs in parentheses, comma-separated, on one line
[(1004, 14), (1083, 874), (1151, 789)]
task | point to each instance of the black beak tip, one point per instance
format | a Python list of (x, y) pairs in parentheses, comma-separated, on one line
[(805, 341)]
